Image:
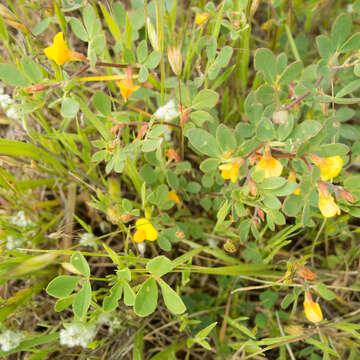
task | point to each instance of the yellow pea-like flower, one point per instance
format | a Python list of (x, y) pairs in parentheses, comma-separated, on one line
[(330, 167), (201, 18), (173, 196), (127, 87), (312, 309), (230, 171), (145, 230), (327, 206), (60, 53), (270, 166)]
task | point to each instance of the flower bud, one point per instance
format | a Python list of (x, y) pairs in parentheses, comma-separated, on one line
[(346, 195), (229, 246), (312, 309), (280, 117), (175, 59), (152, 35)]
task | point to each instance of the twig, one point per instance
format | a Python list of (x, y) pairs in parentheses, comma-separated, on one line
[(288, 348)]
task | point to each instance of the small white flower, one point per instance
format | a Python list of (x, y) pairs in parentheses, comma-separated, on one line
[(12, 113), (5, 101), (350, 8), (21, 220), (88, 239), (167, 134), (77, 335), (167, 112), (10, 340), (1, 90), (13, 242)]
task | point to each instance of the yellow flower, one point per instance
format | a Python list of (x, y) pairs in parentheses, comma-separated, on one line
[(173, 196), (330, 167), (270, 166), (201, 18), (127, 87), (145, 231), (230, 171), (327, 206), (60, 53), (312, 309), (292, 177)]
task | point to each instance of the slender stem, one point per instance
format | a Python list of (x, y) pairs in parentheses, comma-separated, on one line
[(316, 239)]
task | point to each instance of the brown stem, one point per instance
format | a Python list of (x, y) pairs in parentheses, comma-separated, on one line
[(303, 96)]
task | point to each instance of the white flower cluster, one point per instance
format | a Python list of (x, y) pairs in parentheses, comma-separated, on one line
[(77, 334), (21, 220), (167, 112), (112, 320), (88, 239), (13, 242), (10, 340), (8, 105)]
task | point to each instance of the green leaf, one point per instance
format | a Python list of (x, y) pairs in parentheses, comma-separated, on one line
[(291, 73), (287, 301), (340, 30), (32, 69), (146, 299), (62, 285), (324, 292), (138, 345), (324, 46), (129, 295), (204, 142), (69, 108), (11, 75), (349, 88), (172, 300), (265, 94), (79, 262), (353, 43), (224, 56), (205, 99), (323, 347), (142, 51), (64, 303), (352, 183), (209, 165), (326, 150), (111, 23), (265, 62), (111, 302), (153, 60), (225, 138), (265, 130), (143, 74), (242, 328), (102, 103), (221, 214), (203, 333), (82, 300), (78, 28), (273, 183), (159, 266)]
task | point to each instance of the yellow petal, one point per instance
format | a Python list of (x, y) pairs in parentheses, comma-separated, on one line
[(146, 229), (271, 167), (201, 18), (312, 311), (58, 51), (327, 206), (229, 171), (331, 167), (127, 87), (139, 236), (173, 196)]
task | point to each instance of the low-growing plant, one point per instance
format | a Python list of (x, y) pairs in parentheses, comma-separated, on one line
[(179, 182)]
